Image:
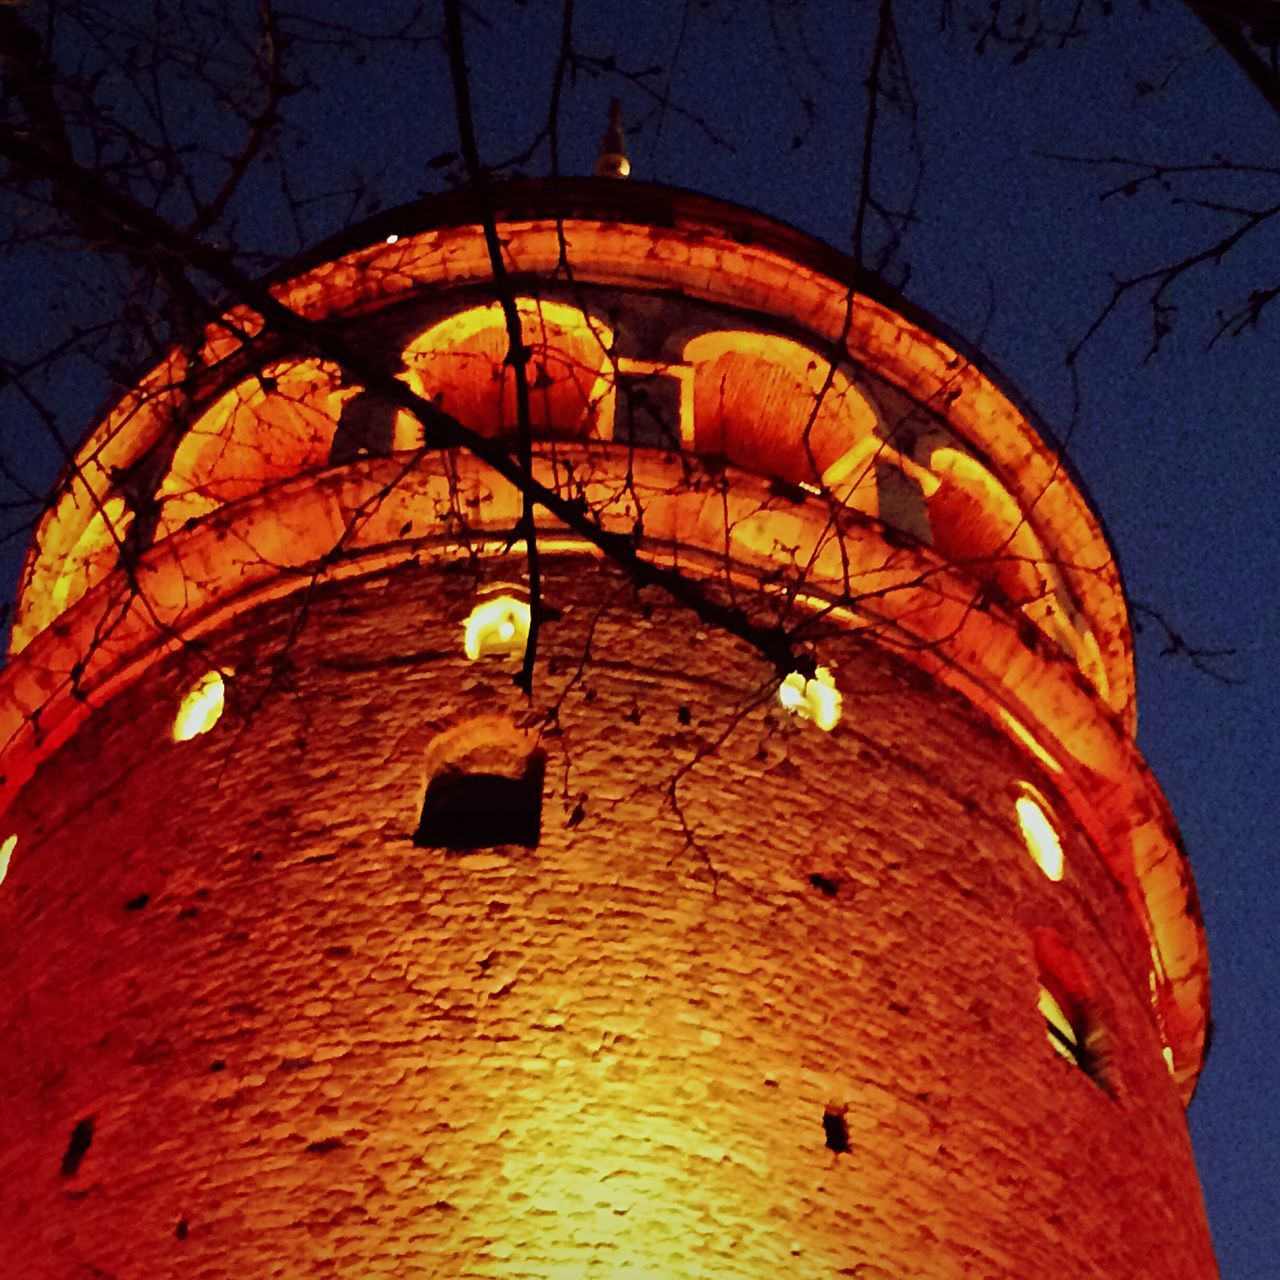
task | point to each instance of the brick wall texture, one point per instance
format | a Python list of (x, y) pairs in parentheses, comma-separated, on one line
[(251, 1031)]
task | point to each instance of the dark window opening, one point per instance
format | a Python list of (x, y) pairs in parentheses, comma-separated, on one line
[(836, 1130), (77, 1147), (647, 411), (484, 789), (366, 428), (481, 810), (828, 886)]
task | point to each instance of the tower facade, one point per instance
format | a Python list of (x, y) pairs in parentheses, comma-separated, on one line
[(329, 952)]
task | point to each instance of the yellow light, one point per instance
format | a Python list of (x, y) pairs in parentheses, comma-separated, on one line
[(1028, 740), (6, 852), (1167, 1054), (791, 692), (1039, 834), (1062, 1035), (815, 699), (497, 627), (201, 707)]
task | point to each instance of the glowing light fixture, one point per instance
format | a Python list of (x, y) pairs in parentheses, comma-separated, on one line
[(6, 852), (201, 708), (392, 238), (1038, 832), (815, 699), (497, 627), (1061, 1032)]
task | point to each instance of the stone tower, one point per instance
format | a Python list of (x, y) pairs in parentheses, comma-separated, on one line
[(327, 952)]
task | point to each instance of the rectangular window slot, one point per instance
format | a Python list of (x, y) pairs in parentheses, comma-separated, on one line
[(473, 810), (647, 410)]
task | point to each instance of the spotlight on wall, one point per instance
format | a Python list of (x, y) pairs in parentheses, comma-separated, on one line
[(815, 698), (498, 627), (201, 708), (1038, 831)]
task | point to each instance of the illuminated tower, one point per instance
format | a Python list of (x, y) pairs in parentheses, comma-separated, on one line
[(327, 953)]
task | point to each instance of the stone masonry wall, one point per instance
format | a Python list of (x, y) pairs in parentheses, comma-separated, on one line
[(251, 1031)]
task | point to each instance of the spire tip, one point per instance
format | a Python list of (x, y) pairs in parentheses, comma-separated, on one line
[(613, 162)]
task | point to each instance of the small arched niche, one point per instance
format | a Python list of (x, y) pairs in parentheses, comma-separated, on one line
[(483, 788)]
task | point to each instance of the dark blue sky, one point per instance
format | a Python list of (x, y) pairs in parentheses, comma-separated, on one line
[(1013, 250)]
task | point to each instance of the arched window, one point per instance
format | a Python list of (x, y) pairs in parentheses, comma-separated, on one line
[(461, 365), (268, 429), (756, 403), (95, 553), (201, 707), (484, 788), (977, 524), (1068, 1006), (498, 626), (6, 853)]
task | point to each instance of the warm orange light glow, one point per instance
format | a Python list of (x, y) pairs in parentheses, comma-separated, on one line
[(460, 364), (707, 265), (1089, 657), (497, 627), (201, 708), (95, 553), (203, 577), (1038, 831), (6, 852), (977, 521), (627, 1185), (754, 403), (815, 699), (266, 429)]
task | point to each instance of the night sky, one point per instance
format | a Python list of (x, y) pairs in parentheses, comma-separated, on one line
[(1010, 248)]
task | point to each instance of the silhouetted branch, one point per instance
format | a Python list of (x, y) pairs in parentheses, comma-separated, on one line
[(1157, 281), (1175, 645), (517, 357)]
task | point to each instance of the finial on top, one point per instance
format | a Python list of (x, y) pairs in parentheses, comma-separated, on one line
[(613, 162)]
